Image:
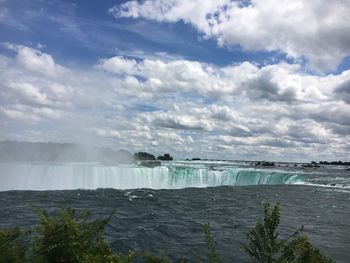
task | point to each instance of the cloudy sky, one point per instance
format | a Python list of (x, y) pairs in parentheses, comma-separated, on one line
[(259, 79)]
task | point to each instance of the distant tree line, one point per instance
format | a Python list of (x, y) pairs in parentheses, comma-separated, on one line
[(144, 156), (334, 163), (165, 157)]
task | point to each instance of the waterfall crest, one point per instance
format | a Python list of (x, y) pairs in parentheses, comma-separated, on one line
[(62, 176)]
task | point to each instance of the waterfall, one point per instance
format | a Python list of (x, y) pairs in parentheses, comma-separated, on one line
[(59, 176)]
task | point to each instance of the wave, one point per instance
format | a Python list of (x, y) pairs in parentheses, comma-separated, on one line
[(329, 185), (49, 176)]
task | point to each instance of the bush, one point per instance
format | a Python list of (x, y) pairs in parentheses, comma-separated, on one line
[(264, 246), (213, 256), (11, 247), (66, 238), (300, 250), (71, 238)]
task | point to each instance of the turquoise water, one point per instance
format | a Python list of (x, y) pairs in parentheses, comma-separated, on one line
[(164, 209), (171, 175)]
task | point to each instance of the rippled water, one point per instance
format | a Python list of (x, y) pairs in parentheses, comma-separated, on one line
[(171, 220)]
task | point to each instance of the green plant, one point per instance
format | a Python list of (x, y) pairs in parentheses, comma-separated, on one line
[(150, 258), (213, 256), (263, 243), (300, 250), (264, 246), (67, 238), (11, 246), (71, 238)]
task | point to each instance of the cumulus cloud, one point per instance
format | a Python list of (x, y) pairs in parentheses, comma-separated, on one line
[(185, 107), (28, 93), (36, 61), (318, 31), (343, 91), (118, 65), (182, 122), (264, 88)]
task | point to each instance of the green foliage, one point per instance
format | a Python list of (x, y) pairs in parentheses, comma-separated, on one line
[(263, 243), (150, 258), (71, 238), (11, 246), (264, 246), (300, 250), (66, 238), (213, 256)]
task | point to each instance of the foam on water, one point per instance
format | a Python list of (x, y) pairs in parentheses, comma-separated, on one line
[(60, 176)]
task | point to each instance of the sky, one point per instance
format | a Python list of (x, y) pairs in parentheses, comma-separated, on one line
[(225, 79)]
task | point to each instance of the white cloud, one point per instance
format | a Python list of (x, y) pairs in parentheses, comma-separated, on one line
[(118, 65), (183, 107), (316, 30), (36, 61), (29, 93), (18, 115)]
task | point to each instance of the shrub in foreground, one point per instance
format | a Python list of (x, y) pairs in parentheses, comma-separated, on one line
[(71, 238), (11, 246), (66, 238), (264, 246)]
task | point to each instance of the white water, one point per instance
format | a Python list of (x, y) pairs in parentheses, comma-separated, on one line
[(55, 176)]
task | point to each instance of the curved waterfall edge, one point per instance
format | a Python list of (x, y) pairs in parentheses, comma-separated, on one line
[(26, 176)]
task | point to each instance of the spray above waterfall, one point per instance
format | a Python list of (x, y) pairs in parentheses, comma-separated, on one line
[(61, 152)]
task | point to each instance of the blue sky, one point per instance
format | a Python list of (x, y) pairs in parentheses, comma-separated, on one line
[(226, 79), (82, 32)]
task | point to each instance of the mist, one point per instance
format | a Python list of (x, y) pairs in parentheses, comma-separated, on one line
[(61, 152)]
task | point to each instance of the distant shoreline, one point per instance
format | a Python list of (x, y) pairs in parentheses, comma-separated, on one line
[(70, 152)]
